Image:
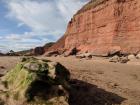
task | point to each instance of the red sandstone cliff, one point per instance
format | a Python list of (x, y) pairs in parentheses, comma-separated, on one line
[(102, 26)]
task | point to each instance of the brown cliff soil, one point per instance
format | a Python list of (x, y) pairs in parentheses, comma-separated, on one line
[(97, 81)]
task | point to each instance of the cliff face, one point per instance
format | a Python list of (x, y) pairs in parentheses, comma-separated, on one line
[(103, 26)]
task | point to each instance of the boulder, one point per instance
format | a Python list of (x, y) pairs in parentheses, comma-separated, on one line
[(131, 57), (71, 51), (88, 55), (37, 82), (124, 59), (138, 56), (80, 56), (115, 59), (84, 55), (38, 51)]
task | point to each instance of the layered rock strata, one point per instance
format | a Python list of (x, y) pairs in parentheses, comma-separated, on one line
[(104, 26)]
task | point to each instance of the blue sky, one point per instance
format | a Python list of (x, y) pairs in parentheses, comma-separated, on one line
[(25, 24)]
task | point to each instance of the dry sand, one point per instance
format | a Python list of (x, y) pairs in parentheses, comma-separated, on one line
[(98, 79)]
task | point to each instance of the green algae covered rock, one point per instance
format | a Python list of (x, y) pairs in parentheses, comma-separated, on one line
[(36, 82)]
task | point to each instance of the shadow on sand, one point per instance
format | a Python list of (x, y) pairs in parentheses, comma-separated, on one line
[(83, 93)]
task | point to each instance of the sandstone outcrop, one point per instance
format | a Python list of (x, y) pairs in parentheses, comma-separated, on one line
[(104, 26)]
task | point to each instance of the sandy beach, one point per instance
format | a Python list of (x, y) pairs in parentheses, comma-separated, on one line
[(114, 81)]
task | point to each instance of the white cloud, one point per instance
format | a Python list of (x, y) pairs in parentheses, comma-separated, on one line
[(43, 17), (46, 16), (23, 41), (0, 37), (13, 37)]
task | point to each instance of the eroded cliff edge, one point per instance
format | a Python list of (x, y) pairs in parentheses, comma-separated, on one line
[(103, 26)]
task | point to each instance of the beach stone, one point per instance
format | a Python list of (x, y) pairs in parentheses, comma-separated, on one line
[(124, 60), (138, 56), (131, 57), (115, 59), (71, 51), (84, 55)]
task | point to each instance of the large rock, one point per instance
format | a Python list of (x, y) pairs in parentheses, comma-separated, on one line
[(131, 57), (124, 59), (84, 55), (71, 51), (37, 82), (38, 51), (138, 56), (116, 59), (103, 26)]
